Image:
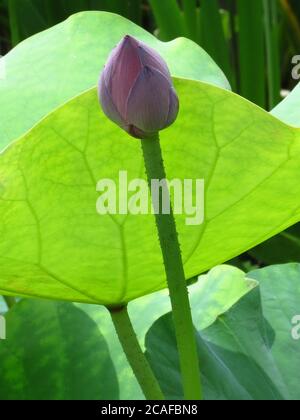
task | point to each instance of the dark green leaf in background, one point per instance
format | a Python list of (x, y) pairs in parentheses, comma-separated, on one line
[(28, 17), (252, 50), (249, 352), (54, 351), (272, 51), (214, 41), (282, 248), (244, 350), (217, 292), (169, 19)]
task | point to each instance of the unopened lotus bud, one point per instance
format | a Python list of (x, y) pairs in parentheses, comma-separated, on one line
[(136, 90)]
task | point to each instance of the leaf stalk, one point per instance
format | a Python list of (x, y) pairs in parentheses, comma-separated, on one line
[(134, 354), (168, 237)]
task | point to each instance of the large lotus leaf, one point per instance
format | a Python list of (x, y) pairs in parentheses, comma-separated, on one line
[(288, 110), (53, 66), (216, 292), (249, 352), (54, 351), (54, 244), (284, 247)]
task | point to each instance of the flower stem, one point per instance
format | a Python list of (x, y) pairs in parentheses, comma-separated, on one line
[(184, 328), (135, 355)]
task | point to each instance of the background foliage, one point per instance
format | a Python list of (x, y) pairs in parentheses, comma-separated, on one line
[(253, 42)]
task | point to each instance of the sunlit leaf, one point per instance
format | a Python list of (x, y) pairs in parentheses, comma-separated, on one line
[(52, 67), (54, 244), (289, 109), (215, 293)]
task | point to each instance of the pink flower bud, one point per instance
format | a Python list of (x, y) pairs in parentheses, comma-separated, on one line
[(136, 90)]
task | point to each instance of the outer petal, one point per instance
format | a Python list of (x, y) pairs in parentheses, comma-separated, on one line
[(107, 104), (122, 71), (149, 57), (136, 132), (108, 68), (148, 103), (174, 107)]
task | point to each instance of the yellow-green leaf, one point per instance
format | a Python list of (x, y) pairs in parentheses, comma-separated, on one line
[(54, 244)]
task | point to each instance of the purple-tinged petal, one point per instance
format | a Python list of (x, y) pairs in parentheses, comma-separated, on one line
[(136, 132), (109, 66), (107, 104), (136, 89), (149, 57), (174, 107), (124, 68), (148, 102)]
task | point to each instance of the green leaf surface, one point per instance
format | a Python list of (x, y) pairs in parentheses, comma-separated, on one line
[(288, 110), (54, 351), (280, 290), (217, 291), (28, 17), (169, 18), (54, 244), (50, 68), (249, 352)]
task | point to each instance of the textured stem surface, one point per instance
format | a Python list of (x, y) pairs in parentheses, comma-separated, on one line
[(135, 355), (184, 328)]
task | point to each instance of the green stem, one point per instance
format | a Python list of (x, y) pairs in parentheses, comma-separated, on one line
[(252, 51), (184, 328), (13, 22), (190, 16), (10, 301), (135, 355), (214, 41), (135, 11), (169, 18), (272, 48)]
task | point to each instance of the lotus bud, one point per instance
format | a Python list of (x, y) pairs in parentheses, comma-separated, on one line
[(136, 90)]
